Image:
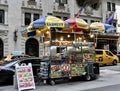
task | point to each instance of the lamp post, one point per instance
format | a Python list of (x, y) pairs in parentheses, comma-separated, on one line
[(15, 35)]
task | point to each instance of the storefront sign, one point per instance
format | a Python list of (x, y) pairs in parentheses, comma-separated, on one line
[(25, 79)]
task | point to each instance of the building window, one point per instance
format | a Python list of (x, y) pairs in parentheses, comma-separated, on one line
[(49, 14), (65, 18), (85, 20), (57, 1), (1, 16), (31, 2), (113, 6), (92, 21), (58, 17), (27, 18), (36, 16), (95, 6), (110, 6), (63, 1)]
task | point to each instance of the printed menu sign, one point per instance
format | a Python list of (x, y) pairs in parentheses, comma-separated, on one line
[(25, 79)]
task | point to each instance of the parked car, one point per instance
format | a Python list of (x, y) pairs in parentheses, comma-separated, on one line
[(104, 57), (15, 56), (7, 70), (12, 56)]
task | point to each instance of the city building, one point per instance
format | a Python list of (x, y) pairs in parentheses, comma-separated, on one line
[(15, 15)]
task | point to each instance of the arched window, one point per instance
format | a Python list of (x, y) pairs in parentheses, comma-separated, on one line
[(32, 47)]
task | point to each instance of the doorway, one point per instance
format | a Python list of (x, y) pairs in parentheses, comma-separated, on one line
[(32, 47)]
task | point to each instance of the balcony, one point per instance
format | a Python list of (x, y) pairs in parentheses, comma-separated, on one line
[(61, 7)]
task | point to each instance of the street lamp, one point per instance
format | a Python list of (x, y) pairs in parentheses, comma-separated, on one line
[(15, 35)]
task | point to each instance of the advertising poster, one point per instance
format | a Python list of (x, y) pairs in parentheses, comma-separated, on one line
[(25, 79)]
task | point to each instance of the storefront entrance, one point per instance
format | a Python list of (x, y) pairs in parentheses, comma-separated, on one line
[(1, 49), (32, 47), (107, 41)]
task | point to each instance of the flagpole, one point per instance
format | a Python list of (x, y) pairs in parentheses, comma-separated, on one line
[(80, 10)]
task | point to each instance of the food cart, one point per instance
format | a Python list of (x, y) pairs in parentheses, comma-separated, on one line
[(68, 55), (68, 50)]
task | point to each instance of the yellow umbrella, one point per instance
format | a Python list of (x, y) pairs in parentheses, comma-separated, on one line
[(97, 27), (44, 24)]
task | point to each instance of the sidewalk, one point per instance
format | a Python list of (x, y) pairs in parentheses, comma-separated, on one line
[(106, 78), (12, 88)]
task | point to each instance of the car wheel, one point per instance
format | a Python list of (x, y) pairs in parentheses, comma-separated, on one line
[(114, 62), (100, 59), (95, 76), (87, 77)]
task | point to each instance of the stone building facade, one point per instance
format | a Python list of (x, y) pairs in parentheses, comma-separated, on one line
[(15, 15)]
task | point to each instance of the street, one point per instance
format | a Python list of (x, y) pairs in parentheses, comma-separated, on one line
[(107, 81)]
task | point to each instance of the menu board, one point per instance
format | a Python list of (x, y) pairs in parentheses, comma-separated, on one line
[(25, 79)]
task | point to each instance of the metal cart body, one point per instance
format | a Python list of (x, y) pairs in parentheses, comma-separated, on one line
[(68, 57)]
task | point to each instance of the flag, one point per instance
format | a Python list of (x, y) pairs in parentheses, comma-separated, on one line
[(110, 19), (79, 12)]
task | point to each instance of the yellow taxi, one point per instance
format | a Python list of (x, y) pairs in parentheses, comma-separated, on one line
[(13, 55), (104, 57)]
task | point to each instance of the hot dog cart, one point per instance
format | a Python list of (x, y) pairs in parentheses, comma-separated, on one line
[(68, 55)]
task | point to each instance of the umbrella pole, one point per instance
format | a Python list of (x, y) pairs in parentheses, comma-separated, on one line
[(96, 40)]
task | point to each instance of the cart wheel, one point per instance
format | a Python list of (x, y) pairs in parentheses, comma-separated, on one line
[(87, 77), (52, 82), (95, 76)]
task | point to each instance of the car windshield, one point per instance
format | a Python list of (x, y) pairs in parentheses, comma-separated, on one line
[(9, 63)]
